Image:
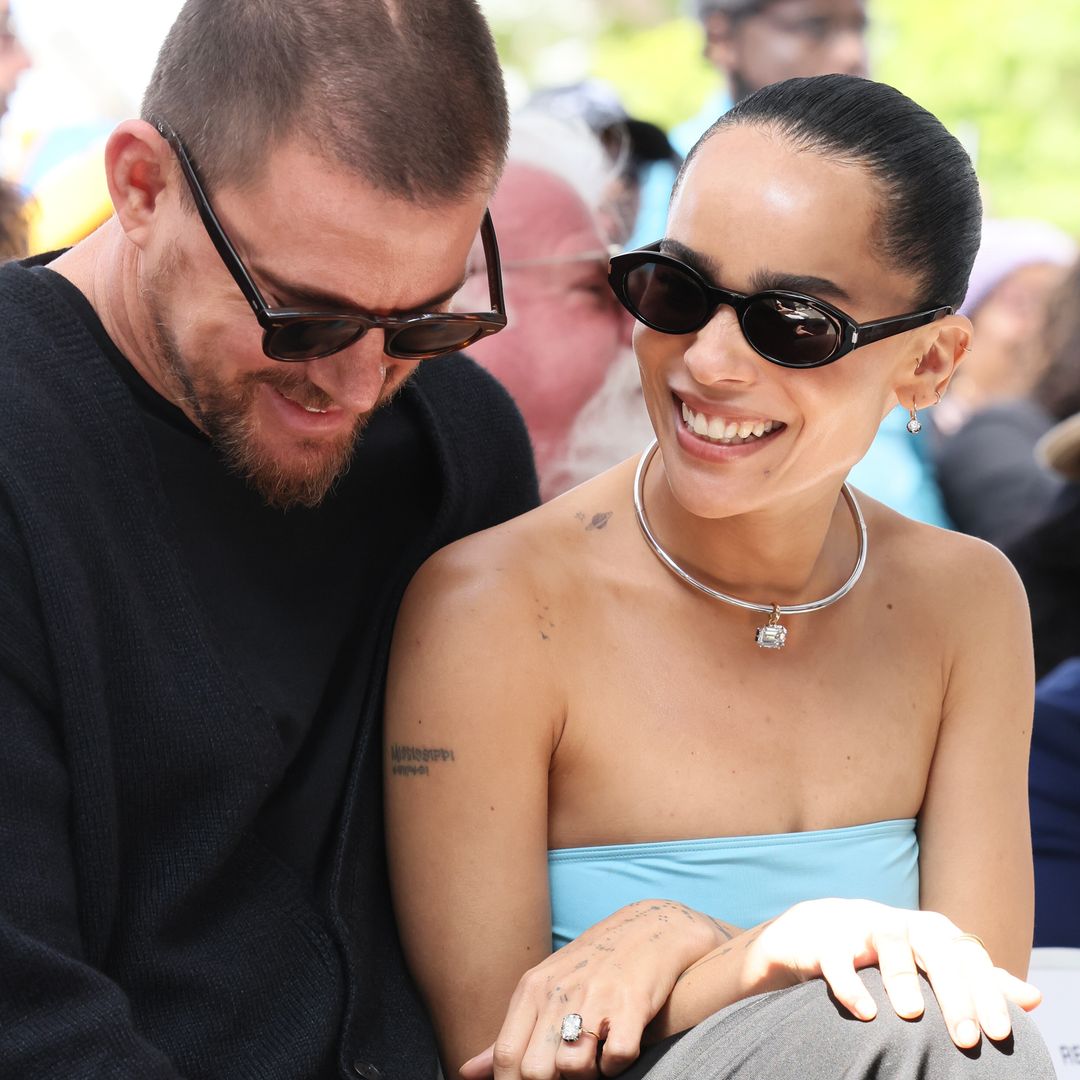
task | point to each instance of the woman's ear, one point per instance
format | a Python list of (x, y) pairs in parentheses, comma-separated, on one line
[(139, 169), (943, 350)]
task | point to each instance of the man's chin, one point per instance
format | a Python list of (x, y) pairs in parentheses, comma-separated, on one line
[(301, 474)]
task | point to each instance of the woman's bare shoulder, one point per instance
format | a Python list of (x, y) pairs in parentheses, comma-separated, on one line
[(545, 549), (945, 569)]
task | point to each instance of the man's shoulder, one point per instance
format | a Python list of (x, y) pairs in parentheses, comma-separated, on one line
[(480, 439)]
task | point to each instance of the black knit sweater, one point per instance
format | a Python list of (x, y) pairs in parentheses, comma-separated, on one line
[(144, 930)]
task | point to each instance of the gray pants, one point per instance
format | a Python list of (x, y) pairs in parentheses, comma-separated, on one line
[(802, 1034)]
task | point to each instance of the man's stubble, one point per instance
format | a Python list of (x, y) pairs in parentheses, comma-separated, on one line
[(225, 410)]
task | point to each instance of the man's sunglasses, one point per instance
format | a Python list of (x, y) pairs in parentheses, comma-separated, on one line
[(786, 328), (295, 335)]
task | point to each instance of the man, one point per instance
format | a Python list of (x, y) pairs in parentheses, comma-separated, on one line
[(754, 43), (221, 459)]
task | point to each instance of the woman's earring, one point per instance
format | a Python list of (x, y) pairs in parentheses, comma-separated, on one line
[(914, 425)]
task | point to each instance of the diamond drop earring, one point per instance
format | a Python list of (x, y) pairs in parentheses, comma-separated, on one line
[(914, 425)]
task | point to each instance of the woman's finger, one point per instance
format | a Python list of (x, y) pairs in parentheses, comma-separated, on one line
[(577, 1060), (1023, 994), (516, 1034), (949, 976), (481, 1067), (839, 972), (899, 974), (622, 1044)]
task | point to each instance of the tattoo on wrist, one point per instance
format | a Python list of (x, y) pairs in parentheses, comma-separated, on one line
[(417, 760)]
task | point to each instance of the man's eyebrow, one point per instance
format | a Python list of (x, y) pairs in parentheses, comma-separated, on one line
[(303, 295)]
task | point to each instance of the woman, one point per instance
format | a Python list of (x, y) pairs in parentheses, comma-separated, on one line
[(556, 687)]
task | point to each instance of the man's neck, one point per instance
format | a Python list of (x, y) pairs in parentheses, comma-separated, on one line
[(105, 268)]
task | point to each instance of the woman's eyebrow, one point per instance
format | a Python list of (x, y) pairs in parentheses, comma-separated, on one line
[(767, 280), (762, 280), (701, 263)]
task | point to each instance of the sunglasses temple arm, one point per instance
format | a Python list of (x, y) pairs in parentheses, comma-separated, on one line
[(878, 331)]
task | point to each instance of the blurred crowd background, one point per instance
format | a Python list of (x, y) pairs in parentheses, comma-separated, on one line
[(608, 94)]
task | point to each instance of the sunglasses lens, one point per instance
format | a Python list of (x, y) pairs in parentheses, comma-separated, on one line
[(431, 337), (790, 331), (666, 298), (308, 339)]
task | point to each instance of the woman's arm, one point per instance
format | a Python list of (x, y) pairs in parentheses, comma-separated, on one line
[(975, 859), (473, 715), (471, 720)]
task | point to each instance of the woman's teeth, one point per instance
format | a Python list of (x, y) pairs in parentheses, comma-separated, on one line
[(728, 432)]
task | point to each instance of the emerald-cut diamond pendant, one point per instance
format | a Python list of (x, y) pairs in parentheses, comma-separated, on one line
[(774, 634)]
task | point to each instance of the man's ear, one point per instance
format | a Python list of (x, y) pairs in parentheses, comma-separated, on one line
[(944, 347), (719, 40), (139, 168)]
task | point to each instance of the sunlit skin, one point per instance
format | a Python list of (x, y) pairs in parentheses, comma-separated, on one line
[(313, 235), (787, 39), (628, 708), (14, 59), (565, 328)]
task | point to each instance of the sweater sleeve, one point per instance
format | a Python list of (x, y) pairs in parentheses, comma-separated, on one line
[(58, 1015)]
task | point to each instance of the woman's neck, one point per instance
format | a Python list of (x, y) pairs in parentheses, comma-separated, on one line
[(784, 554)]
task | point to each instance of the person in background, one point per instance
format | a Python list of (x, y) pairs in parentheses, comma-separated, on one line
[(985, 431), (14, 60), (632, 146), (13, 223), (1048, 560), (752, 43), (566, 331)]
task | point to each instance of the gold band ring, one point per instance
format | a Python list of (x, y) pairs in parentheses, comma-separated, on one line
[(972, 937)]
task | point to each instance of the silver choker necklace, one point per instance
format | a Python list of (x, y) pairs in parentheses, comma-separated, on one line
[(774, 634)]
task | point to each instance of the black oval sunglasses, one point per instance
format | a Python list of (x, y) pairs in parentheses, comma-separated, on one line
[(786, 328), (294, 335)]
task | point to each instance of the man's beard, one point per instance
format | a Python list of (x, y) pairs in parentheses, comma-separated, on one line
[(301, 474)]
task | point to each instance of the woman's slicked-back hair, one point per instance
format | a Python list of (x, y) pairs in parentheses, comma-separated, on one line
[(931, 212), (406, 93)]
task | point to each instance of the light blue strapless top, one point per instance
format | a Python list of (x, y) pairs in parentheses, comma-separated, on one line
[(742, 880)]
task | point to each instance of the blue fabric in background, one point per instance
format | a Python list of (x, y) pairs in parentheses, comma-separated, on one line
[(1054, 779), (897, 472)]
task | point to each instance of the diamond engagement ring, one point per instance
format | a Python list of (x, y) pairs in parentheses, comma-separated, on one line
[(573, 1027)]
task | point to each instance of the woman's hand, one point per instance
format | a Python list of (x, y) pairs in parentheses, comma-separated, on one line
[(616, 976), (832, 939), (619, 975)]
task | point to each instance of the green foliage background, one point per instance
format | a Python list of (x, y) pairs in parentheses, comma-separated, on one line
[(1003, 75)]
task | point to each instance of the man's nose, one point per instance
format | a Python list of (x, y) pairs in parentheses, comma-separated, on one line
[(355, 377)]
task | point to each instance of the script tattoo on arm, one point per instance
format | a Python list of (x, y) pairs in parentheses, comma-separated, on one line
[(418, 760)]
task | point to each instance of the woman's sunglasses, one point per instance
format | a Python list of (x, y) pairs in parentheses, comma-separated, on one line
[(295, 335), (786, 328)]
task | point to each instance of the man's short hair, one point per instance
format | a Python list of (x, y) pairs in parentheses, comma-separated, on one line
[(407, 94)]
